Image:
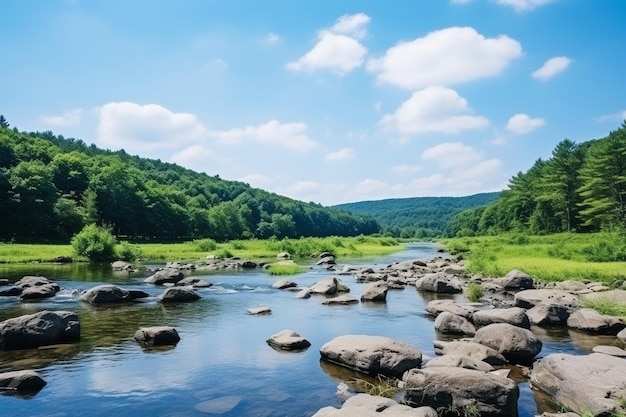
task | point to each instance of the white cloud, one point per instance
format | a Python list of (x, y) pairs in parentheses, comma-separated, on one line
[(292, 136), (352, 25), (193, 156), (216, 65), (452, 155), (460, 1), (337, 48), (619, 116), (433, 109), (522, 123), (146, 128), (257, 180), (523, 5), (271, 38), (552, 67), (445, 57), (340, 155), (69, 118)]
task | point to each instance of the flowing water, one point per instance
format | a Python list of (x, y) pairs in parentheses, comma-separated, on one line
[(222, 364)]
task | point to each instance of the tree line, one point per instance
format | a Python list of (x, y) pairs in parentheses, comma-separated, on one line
[(581, 187), (51, 187)]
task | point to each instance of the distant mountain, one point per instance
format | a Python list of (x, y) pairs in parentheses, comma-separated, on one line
[(417, 217)]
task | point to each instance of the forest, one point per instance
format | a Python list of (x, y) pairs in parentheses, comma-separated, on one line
[(417, 217), (51, 187), (580, 188)]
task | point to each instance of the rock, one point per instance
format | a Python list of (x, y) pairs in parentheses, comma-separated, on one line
[(435, 307), (372, 354), (62, 260), (283, 255), (221, 405), (157, 336), (326, 286), (34, 281), (259, 310), (457, 388), (10, 292), (340, 300), (165, 275), (26, 381), (39, 292), (515, 315), (39, 329), (548, 315), (547, 297), (193, 282), (178, 294), (594, 383), (460, 361), (304, 293), (122, 266), (515, 280), (283, 283), (288, 340), (439, 282), (610, 350), (326, 260), (470, 349), (375, 291), (622, 335), (590, 321), (517, 345), (452, 324), (109, 294), (365, 405)]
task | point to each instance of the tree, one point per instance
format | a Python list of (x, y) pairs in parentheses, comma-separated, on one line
[(94, 243), (3, 122)]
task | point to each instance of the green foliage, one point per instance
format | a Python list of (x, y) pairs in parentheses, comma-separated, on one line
[(224, 253), (606, 306), (474, 291), (285, 268), (605, 252), (95, 243), (205, 245), (466, 410), (128, 252), (381, 386)]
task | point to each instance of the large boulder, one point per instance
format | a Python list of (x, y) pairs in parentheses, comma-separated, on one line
[(365, 405), (157, 336), (178, 294), (372, 354), (462, 389), (517, 345), (471, 350), (36, 287), (590, 321), (435, 307), (460, 361), (440, 282), (547, 297), (39, 329), (110, 294), (515, 315), (449, 323), (326, 286), (288, 340), (165, 276), (343, 300), (375, 291), (21, 382), (515, 280), (594, 383)]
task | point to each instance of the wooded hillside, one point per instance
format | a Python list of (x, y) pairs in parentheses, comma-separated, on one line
[(417, 217), (581, 187), (50, 187)]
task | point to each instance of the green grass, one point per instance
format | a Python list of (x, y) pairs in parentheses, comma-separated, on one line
[(547, 258), (285, 268), (606, 307), (474, 291), (198, 250)]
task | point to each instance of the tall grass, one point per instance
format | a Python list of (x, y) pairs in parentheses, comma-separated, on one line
[(548, 258)]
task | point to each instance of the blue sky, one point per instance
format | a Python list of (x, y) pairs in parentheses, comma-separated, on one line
[(319, 100)]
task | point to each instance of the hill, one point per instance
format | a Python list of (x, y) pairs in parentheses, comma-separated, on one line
[(51, 187), (417, 217)]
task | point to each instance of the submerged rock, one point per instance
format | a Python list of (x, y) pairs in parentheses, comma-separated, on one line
[(21, 382), (157, 336)]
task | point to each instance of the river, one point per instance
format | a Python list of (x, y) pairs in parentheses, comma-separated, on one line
[(222, 364)]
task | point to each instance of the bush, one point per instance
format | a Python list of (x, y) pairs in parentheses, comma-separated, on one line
[(94, 243), (474, 291), (205, 245), (128, 252)]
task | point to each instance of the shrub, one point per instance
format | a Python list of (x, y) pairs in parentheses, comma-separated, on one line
[(94, 243), (205, 245), (128, 252), (474, 291), (285, 269)]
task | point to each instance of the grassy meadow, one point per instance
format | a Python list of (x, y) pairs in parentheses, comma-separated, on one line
[(559, 257), (199, 249)]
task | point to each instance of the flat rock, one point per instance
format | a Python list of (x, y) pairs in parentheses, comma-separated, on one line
[(157, 336), (365, 405), (375, 292), (288, 340), (435, 307), (449, 323), (517, 345), (39, 329), (459, 361), (341, 300), (470, 349), (259, 310), (515, 315), (515, 280), (440, 282), (178, 294), (26, 381), (590, 321)]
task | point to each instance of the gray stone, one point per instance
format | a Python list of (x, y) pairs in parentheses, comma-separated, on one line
[(435, 307), (439, 282), (375, 291), (517, 345), (20, 382), (452, 324), (108, 294), (365, 405), (178, 294), (39, 292), (515, 315), (340, 300), (194, 282), (610, 350), (326, 286), (590, 321), (39, 329), (594, 383), (515, 280), (281, 284), (548, 315), (157, 336), (460, 361), (259, 310), (530, 298), (372, 354), (288, 340), (470, 349), (449, 387), (165, 276)]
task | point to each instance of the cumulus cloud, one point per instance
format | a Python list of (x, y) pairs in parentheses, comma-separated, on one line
[(69, 118), (271, 38), (338, 48), (617, 116), (452, 154), (257, 180), (522, 123), (405, 169), (146, 128), (445, 57), (523, 5), (193, 156), (291, 136), (340, 155), (552, 67), (433, 110)]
